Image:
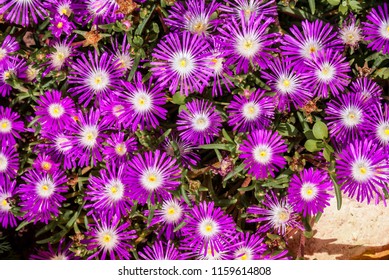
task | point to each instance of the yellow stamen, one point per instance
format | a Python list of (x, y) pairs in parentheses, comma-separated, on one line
[(142, 101), (183, 62), (98, 80), (60, 56), (350, 36), (107, 238), (45, 187), (244, 257), (89, 136), (171, 211), (4, 202), (64, 11), (248, 44), (208, 228), (198, 27), (214, 60), (4, 125), (312, 49), (251, 110), (46, 166), (247, 12), (152, 178), (262, 154), (386, 131), (286, 83), (60, 24), (114, 190), (309, 192), (283, 216), (7, 74), (351, 116), (363, 170)]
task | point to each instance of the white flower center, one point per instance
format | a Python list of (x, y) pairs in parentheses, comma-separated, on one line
[(286, 84), (172, 212), (262, 154), (216, 64), (120, 149), (114, 189), (60, 144), (45, 165), (208, 228), (59, 257), (4, 205), (62, 52), (45, 188), (108, 239), (3, 53), (244, 253), (183, 63), (361, 170), (64, 9), (308, 191), (88, 136), (125, 61), (56, 110), (280, 216), (384, 29), (141, 102), (151, 179), (248, 45), (326, 73), (351, 116), (251, 111), (350, 35), (198, 25), (117, 110), (3, 162), (310, 47), (200, 122), (98, 80), (5, 125), (383, 132)]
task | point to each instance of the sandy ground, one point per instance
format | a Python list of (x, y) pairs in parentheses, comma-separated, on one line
[(356, 231)]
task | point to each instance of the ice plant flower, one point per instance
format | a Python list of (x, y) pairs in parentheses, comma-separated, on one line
[(183, 150), (181, 60), (248, 246), (110, 238), (327, 70), (61, 56), (94, 77), (107, 194), (302, 44), (14, 68), (86, 144), (41, 195), (350, 33), (97, 11), (122, 54), (61, 24), (346, 116), (250, 8), (20, 11), (207, 227), (377, 124), (262, 153), (7, 191), (194, 16), (161, 251), (247, 42), (58, 253), (288, 82), (111, 110), (7, 48), (143, 104), (200, 123), (376, 29), (363, 171), (44, 163), (152, 176), (9, 161), (118, 148), (275, 214), (366, 87), (54, 112), (10, 126), (252, 113), (59, 147), (308, 192), (60, 7)]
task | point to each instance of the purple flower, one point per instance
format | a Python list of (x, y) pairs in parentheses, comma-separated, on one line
[(346, 115), (363, 170), (118, 149), (247, 42), (15, 68), (61, 56), (262, 153), (58, 253), (200, 123), (250, 8), (60, 7), (44, 163), (111, 110), (249, 246), (10, 126), (376, 29), (7, 191), (367, 88), (377, 124), (182, 150), (107, 194), (182, 61), (194, 16), (59, 147), (288, 82), (8, 46), (19, 12), (207, 227), (308, 191), (61, 24), (94, 76), (226, 253), (152, 176), (327, 70), (161, 251), (350, 33), (100, 11), (9, 162), (143, 104), (86, 145), (315, 36), (122, 54), (41, 195), (54, 112), (110, 238), (276, 214), (248, 114)]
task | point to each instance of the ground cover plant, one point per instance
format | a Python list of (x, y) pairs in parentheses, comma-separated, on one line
[(186, 129)]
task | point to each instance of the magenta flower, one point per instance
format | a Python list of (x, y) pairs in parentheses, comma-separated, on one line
[(152, 176), (58, 253), (262, 153), (111, 110), (377, 124), (367, 88), (182, 61), (327, 70), (7, 192), (288, 82), (200, 123), (308, 192), (118, 148), (41, 195), (19, 11), (61, 56), (97, 11), (276, 214), (248, 114), (14, 68), (207, 227), (376, 29), (161, 251), (250, 8), (182, 150), (110, 237), (9, 161), (350, 33), (44, 163), (59, 147), (363, 171), (61, 24), (249, 246), (7, 48), (122, 54), (10, 126), (143, 104), (247, 42), (60, 7)]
